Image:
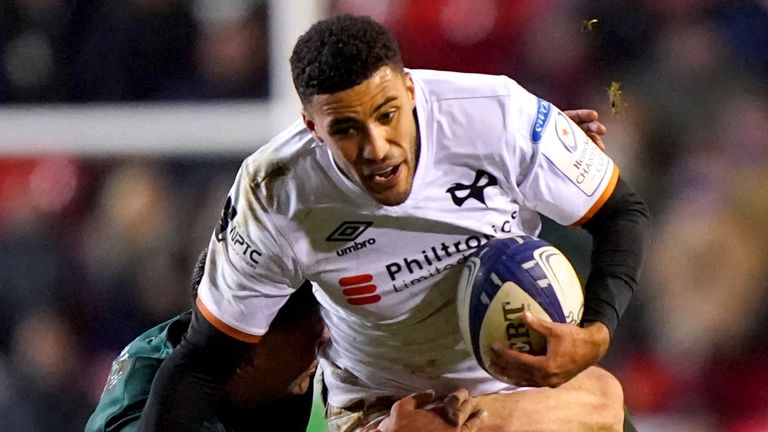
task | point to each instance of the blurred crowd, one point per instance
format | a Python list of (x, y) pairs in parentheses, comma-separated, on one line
[(92, 251), (132, 50)]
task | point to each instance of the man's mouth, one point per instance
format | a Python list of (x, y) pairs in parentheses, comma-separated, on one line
[(384, 176)]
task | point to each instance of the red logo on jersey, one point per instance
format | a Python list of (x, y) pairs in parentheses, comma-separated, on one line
[(359, 289)]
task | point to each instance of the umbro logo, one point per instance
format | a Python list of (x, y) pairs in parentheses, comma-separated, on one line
[(348, 231), (460, 192)]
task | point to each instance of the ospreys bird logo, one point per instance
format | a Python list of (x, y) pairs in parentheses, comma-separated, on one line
[(476, 190), (227, 215)]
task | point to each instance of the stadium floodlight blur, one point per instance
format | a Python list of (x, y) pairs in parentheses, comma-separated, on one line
[(168, 128)]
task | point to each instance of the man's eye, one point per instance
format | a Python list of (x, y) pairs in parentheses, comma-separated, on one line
[(344, 132), (387, 117)]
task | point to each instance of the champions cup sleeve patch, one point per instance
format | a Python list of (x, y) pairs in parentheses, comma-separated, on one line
[(565, 132), (576, 156)]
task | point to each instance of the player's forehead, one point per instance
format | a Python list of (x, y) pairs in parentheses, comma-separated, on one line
[(385, 86)]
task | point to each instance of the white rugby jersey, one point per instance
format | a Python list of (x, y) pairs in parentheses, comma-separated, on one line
[(492, 157)]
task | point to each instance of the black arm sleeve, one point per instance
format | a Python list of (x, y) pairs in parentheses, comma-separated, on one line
[(620, 235), (191, 380)]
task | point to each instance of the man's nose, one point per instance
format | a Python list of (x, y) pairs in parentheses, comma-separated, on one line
[(375, 146)]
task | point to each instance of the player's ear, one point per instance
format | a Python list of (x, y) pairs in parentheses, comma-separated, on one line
[(310, 124), (409, 86)]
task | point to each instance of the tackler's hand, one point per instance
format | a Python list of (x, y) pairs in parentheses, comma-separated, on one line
[(570, 350), (461, 410), (419, 412), (586, 119)]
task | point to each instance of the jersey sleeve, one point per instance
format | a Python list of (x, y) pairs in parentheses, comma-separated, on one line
[(567, 178), (249, 272), (130, 379), (120, 406)]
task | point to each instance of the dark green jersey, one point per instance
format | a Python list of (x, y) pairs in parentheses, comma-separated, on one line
[(130, 379)]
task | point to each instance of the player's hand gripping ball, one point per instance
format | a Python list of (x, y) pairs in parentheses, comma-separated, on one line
[(506, 277)]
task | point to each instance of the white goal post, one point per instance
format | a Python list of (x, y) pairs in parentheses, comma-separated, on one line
[(168, 128)]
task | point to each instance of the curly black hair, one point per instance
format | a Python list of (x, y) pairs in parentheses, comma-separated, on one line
[(339, 53)]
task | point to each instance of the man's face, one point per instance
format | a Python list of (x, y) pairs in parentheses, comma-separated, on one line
[(282, 363), (371, 132)]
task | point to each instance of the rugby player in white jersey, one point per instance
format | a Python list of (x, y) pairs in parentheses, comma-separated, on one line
[(377, 195)]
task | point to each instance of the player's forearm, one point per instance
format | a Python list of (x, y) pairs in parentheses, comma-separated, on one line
[(190, 382), (619, 231), (590, 401)]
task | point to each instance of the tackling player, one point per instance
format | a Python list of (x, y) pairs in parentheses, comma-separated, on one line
[(268, 388), (377, 195)]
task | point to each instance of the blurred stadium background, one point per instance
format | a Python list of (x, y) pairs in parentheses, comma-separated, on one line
[(122, 125)]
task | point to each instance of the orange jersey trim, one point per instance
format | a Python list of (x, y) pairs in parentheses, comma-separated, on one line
[(603, 197), (224, 327)]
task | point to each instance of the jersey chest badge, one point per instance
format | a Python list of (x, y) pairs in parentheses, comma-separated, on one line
[(461, 192)]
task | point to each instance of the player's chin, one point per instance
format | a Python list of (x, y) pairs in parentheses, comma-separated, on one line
[(392, 196), (392, 191)]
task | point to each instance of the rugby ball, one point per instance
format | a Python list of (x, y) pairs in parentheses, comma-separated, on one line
[(505, 277)]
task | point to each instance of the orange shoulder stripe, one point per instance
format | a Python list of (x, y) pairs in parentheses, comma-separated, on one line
[(603, 197), (224, 327)]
